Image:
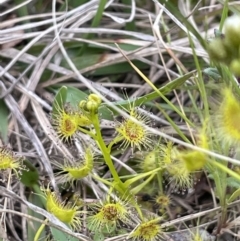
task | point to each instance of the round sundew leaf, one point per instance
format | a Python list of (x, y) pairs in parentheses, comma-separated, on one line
[(98, 236), (109, 228), (30, 176)]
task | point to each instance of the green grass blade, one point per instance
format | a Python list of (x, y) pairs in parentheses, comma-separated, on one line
[(3, 121), (33, 226), (175, 126), (200, 82), (95, 22), (224, 15), (174, 10), (154, 95), (131, 26)]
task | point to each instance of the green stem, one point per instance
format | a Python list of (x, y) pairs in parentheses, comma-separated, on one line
[(38, 233), (107, 157), (38, 192), (86, 132), (114, 141), (105, 150), (221, 187), (160, 181), (102, 180), (139, 211)]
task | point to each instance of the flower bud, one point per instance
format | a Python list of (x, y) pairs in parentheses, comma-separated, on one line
[(231, 29), (235, 67), (217, 50), (82, 104), (95, 98), (92, 106)]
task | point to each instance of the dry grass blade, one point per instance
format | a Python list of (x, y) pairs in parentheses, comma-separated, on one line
[(13, 106), (54, 222)]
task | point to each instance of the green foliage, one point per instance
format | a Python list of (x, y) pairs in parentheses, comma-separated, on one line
[(30, 176), (3, 121), (59, 235), (60, 99), (34, 226)]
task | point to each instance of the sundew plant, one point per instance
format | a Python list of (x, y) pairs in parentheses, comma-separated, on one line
[(127, 127)]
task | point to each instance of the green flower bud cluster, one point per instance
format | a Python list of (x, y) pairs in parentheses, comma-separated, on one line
[(91, 104), (226, 48)]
